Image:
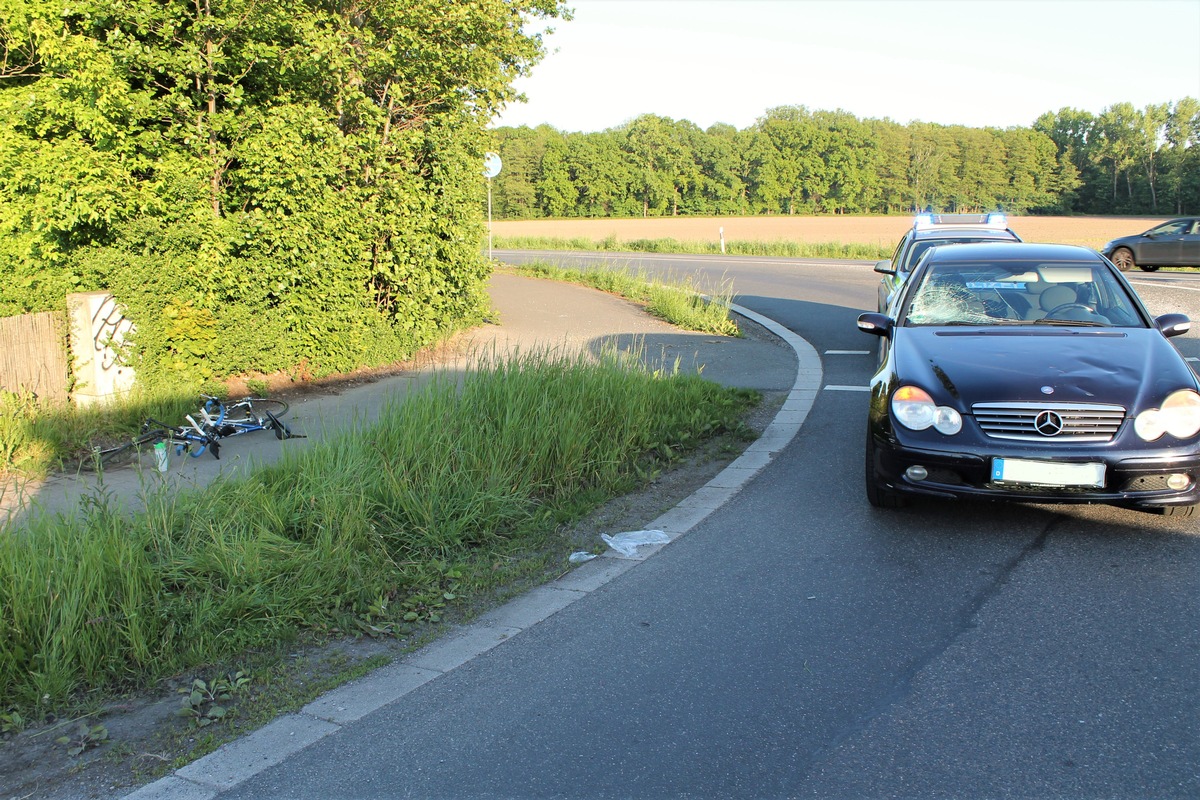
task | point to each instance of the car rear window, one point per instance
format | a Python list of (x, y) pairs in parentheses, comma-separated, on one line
[(919, 248)]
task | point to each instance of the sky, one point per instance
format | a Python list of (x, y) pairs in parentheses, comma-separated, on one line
[(978, 63)]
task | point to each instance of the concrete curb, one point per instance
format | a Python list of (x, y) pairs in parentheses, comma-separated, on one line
[(240, 760)]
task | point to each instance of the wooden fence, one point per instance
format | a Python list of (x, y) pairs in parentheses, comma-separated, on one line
[(33, 355)]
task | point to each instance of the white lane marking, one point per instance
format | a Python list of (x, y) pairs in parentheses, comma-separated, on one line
[(1166, 285), (835, 388), (847, 352)]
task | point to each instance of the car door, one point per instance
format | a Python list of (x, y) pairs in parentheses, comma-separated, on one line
[(887, 286), (1190, 256), (1163, 246)]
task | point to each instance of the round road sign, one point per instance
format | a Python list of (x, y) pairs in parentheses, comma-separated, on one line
[(491, 165)]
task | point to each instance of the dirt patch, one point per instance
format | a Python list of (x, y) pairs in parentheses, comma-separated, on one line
[(881, 231)]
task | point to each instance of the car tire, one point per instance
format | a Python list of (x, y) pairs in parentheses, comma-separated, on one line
[(1179, 511), (878, 495), (1149, 269), (1123, 258)]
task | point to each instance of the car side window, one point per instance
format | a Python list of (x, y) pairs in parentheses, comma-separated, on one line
[(899, 252), (1170, 228)]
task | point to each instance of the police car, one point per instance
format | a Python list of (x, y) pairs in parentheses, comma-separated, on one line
[(929, 230)]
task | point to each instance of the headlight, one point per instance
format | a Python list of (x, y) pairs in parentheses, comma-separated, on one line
[(914, 409), (1179, 417)]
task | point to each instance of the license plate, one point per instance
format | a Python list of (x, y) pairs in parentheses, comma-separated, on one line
[(1047, 473)]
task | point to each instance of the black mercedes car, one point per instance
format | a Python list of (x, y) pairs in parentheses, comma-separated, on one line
[(1030, 372), (1174, 243)]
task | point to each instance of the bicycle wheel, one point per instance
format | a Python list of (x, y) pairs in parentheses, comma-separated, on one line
[(256, 409), (117, 454)]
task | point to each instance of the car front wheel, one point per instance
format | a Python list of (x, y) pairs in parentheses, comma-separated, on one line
[(1123, 258), (879, 495), (1178, 511)]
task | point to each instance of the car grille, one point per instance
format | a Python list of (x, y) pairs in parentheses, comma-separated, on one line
[(1057, 422)]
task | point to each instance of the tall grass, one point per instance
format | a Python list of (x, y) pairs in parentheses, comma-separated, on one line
[(783, 248), (677, 301), (37, 438), (380, 519)]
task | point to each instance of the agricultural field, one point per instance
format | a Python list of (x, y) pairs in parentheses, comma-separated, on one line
[(879, 231)]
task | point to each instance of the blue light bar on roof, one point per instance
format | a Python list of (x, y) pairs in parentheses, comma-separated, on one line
[(995, 220)]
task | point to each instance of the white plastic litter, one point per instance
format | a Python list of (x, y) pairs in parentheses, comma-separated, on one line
[(580, 557), (627, 543)]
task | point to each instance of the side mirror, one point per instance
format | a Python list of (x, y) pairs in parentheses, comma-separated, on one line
[(1173, 324), (874, 323), (885, 267)]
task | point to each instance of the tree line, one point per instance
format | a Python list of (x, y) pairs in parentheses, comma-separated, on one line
[(794, 160)]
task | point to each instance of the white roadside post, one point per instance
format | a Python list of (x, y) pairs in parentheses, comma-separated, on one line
[(491, 168), (721, 230)]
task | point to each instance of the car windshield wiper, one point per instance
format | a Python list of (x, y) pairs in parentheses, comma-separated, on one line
[(1071, 322)]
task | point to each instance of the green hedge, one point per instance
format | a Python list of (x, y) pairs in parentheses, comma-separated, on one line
[(263, 186)]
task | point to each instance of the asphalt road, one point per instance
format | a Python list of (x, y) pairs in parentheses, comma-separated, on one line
[(798, 643)]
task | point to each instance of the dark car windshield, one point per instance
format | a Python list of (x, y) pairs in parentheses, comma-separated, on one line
[(1020, 292)]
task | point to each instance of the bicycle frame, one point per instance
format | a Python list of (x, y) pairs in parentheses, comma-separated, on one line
[(214, 421)]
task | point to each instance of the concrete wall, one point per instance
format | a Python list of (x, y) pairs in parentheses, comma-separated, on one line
[(98, 328)]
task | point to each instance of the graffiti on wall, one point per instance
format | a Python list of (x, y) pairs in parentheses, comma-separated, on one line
[(109, 328)]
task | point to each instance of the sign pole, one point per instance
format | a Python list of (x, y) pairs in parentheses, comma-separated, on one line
[(491, 168)]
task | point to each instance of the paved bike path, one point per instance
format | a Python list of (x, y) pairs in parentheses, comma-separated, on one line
[(532, 315)]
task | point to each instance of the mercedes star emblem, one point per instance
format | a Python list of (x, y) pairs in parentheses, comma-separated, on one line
[(1048, 423)]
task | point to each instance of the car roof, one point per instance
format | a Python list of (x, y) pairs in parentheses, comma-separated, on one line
[(983, 234), (995, 251)]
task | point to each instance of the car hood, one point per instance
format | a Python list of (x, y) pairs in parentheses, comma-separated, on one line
[(1132, 367), (1122, 241)]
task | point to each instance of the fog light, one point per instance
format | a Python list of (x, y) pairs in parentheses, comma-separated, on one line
[(916, 473), (1178, 481)]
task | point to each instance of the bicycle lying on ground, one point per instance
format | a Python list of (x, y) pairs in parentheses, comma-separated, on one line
[(204, 431)]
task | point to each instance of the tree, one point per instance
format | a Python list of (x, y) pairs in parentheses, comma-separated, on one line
[(1149, 137), (301, 176), (851, 162), (720, 189), (1034, 178), (1181, 157), (1117, 148), (892, 142), (555, 193), (933, 154), (980, 173), (761, 161), (661, 163), (601, 174)]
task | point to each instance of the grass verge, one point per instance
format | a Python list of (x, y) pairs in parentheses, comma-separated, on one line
[(455, 492), (781, 248), (676, 301)]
